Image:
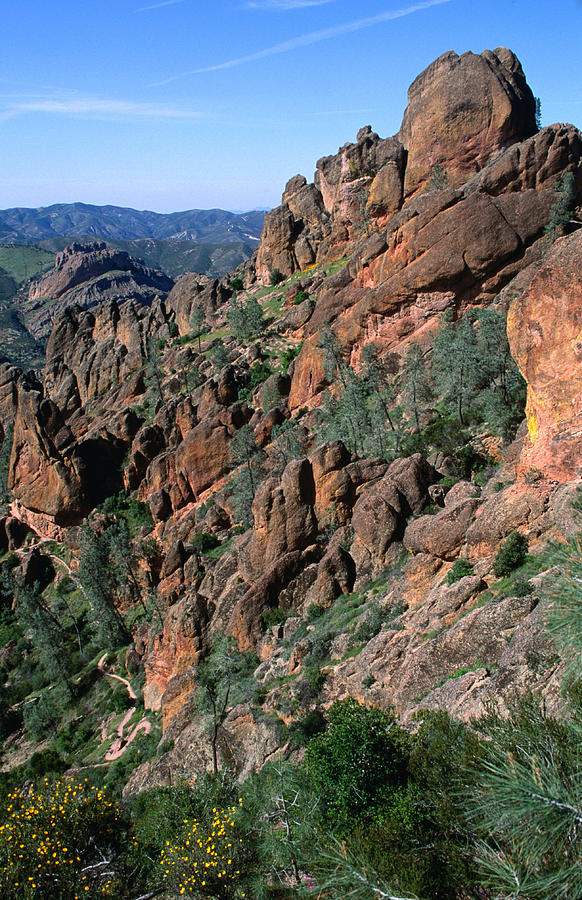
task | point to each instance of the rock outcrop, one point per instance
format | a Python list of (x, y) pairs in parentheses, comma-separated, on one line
[(462, 110), (544, 329), (86, 275), (344, 571)]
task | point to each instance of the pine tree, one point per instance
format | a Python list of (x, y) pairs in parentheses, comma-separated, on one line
[(246, 455), (455, 365), (414, 383), (48, 636), (562, 209), (196, 322), (97, 579)]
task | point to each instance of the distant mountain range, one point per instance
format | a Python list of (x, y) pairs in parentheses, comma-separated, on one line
[(23, 225)]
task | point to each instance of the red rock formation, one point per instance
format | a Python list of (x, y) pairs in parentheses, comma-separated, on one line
[(86, 275), (461, 111), (546, 341)]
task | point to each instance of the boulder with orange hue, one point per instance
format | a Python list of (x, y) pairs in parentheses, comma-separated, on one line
[(191, 291), (284, 518), (52, 474), (90, 352), (461, 111), (175, 651), (545, 334), (293, 231), (199, 461)]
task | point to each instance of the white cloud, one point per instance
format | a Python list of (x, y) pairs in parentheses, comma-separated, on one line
[(285, 4), (159, 5), (306, 40), (70, 104)]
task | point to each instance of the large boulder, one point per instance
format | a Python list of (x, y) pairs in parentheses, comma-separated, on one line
[(461, 111), (544, 334)]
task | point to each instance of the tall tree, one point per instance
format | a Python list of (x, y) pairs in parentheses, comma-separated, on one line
[(247, 456), (98, 582)]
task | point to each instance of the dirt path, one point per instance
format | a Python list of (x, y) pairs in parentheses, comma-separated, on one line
[(120, 743)]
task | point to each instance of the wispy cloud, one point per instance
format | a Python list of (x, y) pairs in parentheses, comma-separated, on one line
[(159, 5), (70, 104), (313, 37), (285, 4)]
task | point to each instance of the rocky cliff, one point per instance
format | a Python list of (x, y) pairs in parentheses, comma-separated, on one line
[(334, 566), (85, 275)]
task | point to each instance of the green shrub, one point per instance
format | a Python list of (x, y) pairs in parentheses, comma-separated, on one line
[(276, 277), (45, 762), (300, 296), (371, 624), (203, 541), (288, 356), (314, 612), (460, 568), (275, 616), (360, 756), (511, 554), (302, 730), (259, 372), (236, 284), (173, 329), (310, 686), (521, 588)]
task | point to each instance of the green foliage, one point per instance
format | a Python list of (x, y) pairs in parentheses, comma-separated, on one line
[(5, 451), (245, 318), (459, 569), (358, 410), (219, 356), (563, 206), (355, 762), (275, 616), (276, 277), (289, 355), (37, 618), (438, 180), (203, 541), (300, 297), (259, 372), (173, 329), (526, 804), (136, 513), (511, 555), (521, 587), (303, 729), (236, 284), (62, 841), (538, 112), (371, 623), (245, 454), (42, 715), (474, 372), (99, 586), (224, 679)]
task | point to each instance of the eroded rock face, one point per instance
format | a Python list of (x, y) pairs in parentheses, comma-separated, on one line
[(544, 330), (88, 353), (462, 110), (86, 275), (293, 231), (192, 291)]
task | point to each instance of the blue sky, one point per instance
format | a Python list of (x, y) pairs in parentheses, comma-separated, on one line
[(183, 104)]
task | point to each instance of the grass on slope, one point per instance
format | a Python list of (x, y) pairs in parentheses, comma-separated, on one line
[(23, 263)]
